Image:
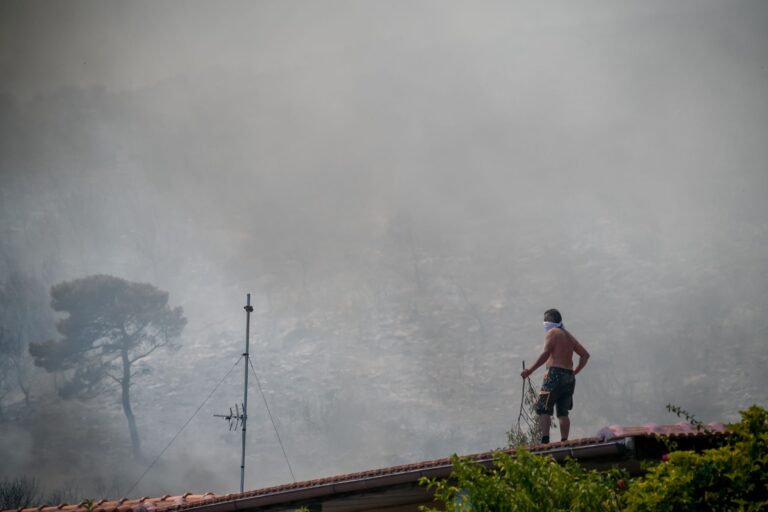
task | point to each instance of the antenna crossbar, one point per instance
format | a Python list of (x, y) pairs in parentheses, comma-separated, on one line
[(234, 418)]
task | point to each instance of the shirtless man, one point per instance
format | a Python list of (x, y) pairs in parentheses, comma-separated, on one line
[(560, 378)]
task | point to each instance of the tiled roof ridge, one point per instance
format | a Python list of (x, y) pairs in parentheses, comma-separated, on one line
[(680, 429), (388, 471), (144, 503), (189, 500)]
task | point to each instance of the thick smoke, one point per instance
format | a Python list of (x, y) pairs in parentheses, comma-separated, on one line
[(404, 187)]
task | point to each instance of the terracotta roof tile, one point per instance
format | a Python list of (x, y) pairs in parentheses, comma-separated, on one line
[(681, 429), (189, 501)]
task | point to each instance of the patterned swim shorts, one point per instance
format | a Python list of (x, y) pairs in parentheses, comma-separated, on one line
[(556, 391)]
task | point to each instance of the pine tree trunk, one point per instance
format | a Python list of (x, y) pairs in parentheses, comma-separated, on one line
[(20, 381), (126, 386)]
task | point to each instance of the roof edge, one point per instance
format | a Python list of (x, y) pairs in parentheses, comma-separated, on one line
[(305, 491)]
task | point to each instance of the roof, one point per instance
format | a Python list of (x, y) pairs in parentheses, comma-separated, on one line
[(678, 430), (609, 442)]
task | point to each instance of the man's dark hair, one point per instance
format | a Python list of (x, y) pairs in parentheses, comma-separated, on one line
[(552, 315)]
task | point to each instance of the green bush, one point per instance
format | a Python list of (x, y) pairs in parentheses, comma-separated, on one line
[(733, 477), (527, 482)]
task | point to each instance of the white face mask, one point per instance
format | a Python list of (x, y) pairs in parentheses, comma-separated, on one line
[(552, 325)]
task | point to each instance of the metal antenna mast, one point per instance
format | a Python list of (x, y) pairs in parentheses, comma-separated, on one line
[(246, 355), (240, 415)]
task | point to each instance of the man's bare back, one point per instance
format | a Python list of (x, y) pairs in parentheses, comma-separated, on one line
[(560, 345)]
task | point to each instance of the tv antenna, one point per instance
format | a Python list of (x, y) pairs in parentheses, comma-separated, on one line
[(239, 416), (235, 418)]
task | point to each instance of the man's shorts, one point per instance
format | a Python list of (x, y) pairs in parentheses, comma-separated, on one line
[(557, 390)]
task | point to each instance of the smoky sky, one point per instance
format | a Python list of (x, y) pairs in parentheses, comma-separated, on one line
[(404, 187)]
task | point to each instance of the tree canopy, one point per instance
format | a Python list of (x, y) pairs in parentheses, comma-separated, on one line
[(110, 324)]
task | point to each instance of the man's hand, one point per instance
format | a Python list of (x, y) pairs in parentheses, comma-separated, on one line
[(526, 373)]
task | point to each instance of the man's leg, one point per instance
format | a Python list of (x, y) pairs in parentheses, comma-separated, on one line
[(544, 409), (545, 421), (563, 405)]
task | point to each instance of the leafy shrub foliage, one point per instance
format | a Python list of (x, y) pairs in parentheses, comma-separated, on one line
[(731, 477), (527, 482)]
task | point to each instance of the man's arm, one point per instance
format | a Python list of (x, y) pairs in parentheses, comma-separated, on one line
[(541, 360), (583, 356)]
